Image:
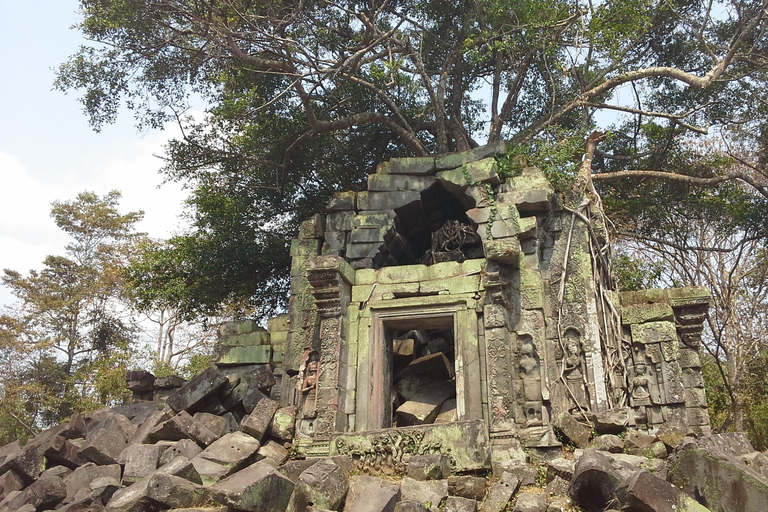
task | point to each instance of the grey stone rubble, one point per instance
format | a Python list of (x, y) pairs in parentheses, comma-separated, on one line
[(447, 332)]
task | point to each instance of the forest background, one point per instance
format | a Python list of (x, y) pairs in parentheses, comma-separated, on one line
[(306, 98)]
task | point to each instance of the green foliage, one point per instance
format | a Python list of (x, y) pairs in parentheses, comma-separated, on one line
[(635, 274), (557, 153)]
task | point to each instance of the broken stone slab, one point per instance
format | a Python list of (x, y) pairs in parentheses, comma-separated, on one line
[(531, 502), (424, 491), (9, 482), (500, 493), (596, 479), (467, 486), (608, 443), (225, 456), (371, 494), (139, 461), (43, 494), (103, 488), (134, 498), (407, 387), (151, 421), (644, 491), (575, 431), (139, 381), (257, 488), (103, 446), (448, 412), (175, 492), (273, 450), (712, 470), (252, 399), (196, 390), (63, 452), (183, 448), (294, 468), (83, 476), (612, 421), (173, 429), (205, 427), (282, 425), (256, 424), (425, 405), (433, 466), (323, 485), (411, 505), (459, 504), (558, 485)]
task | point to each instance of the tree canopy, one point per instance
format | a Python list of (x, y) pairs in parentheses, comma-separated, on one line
[(306, 97)]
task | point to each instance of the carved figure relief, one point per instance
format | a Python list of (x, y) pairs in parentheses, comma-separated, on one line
[(310, 371), (574, 371)]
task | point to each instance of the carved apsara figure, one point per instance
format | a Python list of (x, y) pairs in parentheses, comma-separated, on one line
[(311, 371), (639, 386), (574, 370)]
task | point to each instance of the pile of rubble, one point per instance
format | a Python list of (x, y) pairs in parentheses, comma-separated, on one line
[(178, 455)]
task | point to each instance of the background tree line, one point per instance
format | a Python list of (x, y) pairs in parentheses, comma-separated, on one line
[(305, 98)]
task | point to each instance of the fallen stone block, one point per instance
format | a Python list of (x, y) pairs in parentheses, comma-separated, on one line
[(205, 428), (225, 456), (430, 491), (448, 412), (425, 405), (596, 478), (257, 488), (531, 502), (572, 429), (9, 482), (408, 386), (173, 429), (175, 492), (43, 494), (500, 493), (410, 505), (459, 504), (103, 488), (433, 366), (197, 390), (183, 448), (467, 486), (429, 467), (323, 485), (256, 424), (371, 494), (103, 447), (644, 491), (140, 381), (273, 450), (283, 421), (134, 498), (139, 461), (151, 421), (612, 421), (559, 467), (608, 443), (82, 477)]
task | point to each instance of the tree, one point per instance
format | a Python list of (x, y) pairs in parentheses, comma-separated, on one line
[(306, 98), (69, 336)]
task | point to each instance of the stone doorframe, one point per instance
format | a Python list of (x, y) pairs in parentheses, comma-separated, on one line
[(374, 395)]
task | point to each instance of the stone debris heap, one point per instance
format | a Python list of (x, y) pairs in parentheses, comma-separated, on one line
[(172, 454)]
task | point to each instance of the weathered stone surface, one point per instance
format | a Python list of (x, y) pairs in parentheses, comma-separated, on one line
[(596, 479), (710, 470), (323, 485), (434, 466), (448, 412), (150, 422), (612, 421), (273, 450), (411, 505), (175, 492), (560, 467), (500, 493), (607, 443), (426, 403), (103, 488), (134, 498), (225, 456), (433, 366), (83, 476), (282, 425), (139, 381), (43, 494), (207, 427), (9, 482), (467, 486), (575, 431), (430, 491), (257, 423), (197, 390), (103, 446), (531, 502), (458, 504), (183, 448), (139, 461), (173, 429), (371, 494), (644, 491), (257, 488)]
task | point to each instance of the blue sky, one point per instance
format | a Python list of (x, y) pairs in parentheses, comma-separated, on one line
[(47, 150)]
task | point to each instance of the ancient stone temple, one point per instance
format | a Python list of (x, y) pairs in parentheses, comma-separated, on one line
[(460, 305)]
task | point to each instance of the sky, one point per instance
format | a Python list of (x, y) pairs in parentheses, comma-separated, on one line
[(47, 150)]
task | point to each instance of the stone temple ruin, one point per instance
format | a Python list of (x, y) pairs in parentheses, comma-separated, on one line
[(452, 300)]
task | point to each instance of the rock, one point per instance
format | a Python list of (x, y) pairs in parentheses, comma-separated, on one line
[(558, 485), (645, 492), (409, 386), (409, 505), (572, 429), (175, 492), (206, 428), (636, 442), (43, 494), (104, 447), (82, 477), (273, 450), (173, 429), (153, 419), (371, 494), (256, 424), (501, 493), (431, 491), (10, 481), (257, 488), (225, 456), (103, 488), (531, 502), (283, 421), (596, 478), (561, 467), (197, 390), (429, 467), (140, 381), (433, 366), (459, 504), (139, 460), (522, 470), (323, 485), (467, 486), (612, 421), (424, 406), (711, 470), (607, 443), (134, 498), (184, 448)]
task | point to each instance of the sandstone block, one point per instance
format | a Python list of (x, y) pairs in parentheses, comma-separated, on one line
[(173, 429), (430, 491), (458, 504), (82, 477), (467, 486), (197, 390), (429, 467), (273, 450), (183, 448), (283, 421), (257, 488), (531, 502), (225, 456), (323, 485), (140, 460), (500, 493), (257, 422), (43, 494), (175, 492), (371, 494)]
